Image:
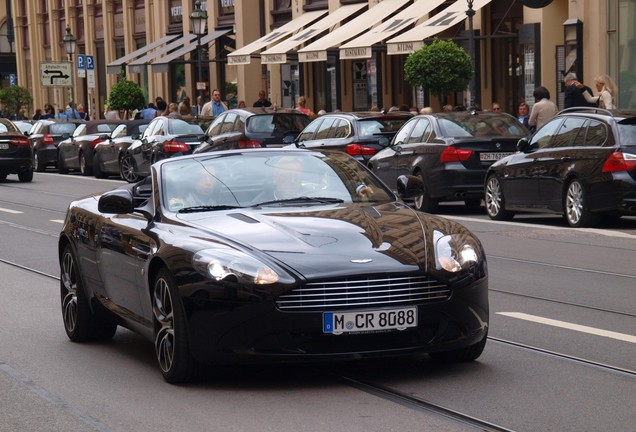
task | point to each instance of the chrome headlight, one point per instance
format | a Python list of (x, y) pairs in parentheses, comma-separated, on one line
[(236, 266), (454, 252)]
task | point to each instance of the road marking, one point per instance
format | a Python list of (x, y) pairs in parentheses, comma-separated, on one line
[(605, 232), (6, 210), (57, 220), (566, 325)]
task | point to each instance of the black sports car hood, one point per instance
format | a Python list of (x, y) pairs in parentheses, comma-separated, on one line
[(384, 238)]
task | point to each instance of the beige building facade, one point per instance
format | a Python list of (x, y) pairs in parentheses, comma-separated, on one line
[(339, 54)]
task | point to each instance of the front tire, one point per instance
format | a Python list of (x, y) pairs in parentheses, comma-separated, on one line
[(97, 171), (85, 169), (461, 355), (495, 201), (575, 206), (80, 324), (39, 166), (61, 166), (172, 348)]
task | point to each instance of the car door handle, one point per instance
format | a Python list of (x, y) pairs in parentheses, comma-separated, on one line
[(566, 158)]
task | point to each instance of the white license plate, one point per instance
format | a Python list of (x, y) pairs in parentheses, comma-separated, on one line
[(493, 156), (369, 321), (4, 146)]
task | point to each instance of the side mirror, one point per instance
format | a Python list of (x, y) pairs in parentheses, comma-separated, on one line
[(523, 145), (409, 186), (118, 201), (135, 136), (288, 139), (66, 135), (202, 138), (104, 137), (384, 141)]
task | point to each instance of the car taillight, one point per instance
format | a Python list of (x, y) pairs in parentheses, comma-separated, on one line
[(619, 161), (96, 141), (20, 142), (453, 154), (248, 144), (48, 139), (175, 147), (359, 150)]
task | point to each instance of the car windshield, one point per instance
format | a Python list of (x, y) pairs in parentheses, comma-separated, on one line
[(268, 123), (258, 179), (62, 128), (370, 127), (482, 126)]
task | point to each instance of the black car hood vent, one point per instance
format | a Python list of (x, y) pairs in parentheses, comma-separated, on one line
[(244, 218)]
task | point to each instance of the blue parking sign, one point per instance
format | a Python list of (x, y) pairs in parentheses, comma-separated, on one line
[(90, 62), (81, 62)]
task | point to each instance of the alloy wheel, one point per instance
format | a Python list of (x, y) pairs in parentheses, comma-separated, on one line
[(127, 169), (163, 311), (493, 196), (574, 203), (69, 292)]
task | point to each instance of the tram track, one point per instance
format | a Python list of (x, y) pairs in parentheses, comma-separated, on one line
[(418, 403)]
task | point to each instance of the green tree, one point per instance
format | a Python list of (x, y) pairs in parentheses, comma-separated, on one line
[(126, 95), (16, 98), (441, 67)]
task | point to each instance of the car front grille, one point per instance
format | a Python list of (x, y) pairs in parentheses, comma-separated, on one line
[(364, 292)]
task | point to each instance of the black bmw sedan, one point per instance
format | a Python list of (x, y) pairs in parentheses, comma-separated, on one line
[(252, 128), (163, 138), (16, 155), (581, 163), (450, 152), (267, 255)]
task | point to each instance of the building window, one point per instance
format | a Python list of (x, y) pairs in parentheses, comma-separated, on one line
[(282, 12), (316, 4), (226, 13)]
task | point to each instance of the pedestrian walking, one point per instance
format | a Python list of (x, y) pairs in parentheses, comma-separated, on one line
[(544, 109)]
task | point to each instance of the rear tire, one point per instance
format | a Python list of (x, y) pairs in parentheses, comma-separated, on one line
[(575, 206), (80, 324), (495, 201)]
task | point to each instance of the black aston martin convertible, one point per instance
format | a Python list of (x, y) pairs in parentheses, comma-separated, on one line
[(271, 255)]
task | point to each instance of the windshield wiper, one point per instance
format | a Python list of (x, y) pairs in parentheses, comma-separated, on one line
[(303, 199), (204, 208)]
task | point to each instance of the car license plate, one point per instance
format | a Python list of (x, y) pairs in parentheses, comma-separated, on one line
[(4, 146), (369, 321), (493, 156)]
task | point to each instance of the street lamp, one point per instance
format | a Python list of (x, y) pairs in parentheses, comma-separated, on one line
[(198, 21), (470, 13), (70, 44)]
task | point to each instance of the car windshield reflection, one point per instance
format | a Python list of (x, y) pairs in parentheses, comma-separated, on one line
[(264, 179)]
